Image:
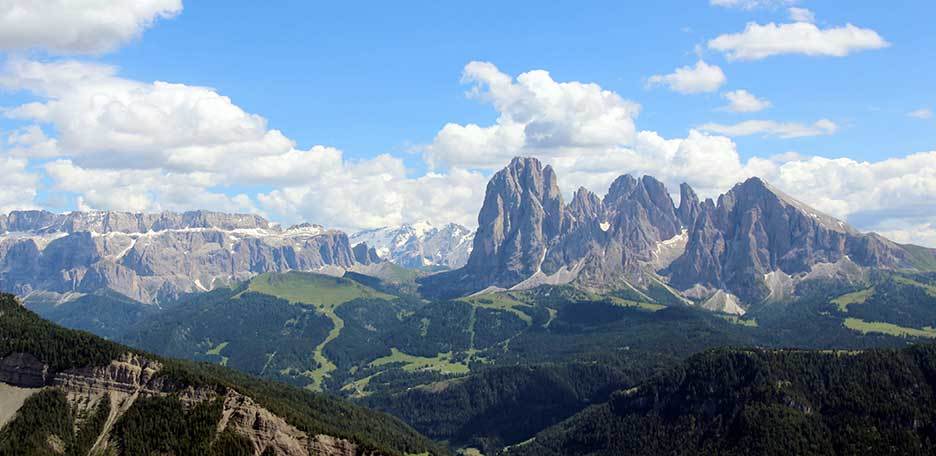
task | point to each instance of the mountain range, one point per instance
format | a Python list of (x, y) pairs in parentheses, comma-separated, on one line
[(420, 245), (154, 258), (754, 244)]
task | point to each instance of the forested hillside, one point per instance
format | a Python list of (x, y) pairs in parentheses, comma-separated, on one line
[(771, 402), (175, 407)]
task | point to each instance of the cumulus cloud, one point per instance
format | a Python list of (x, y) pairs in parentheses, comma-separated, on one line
[(131, 145), (378, 193), (770, 128), (708, 160), (78, 26), (19, 186), (802, 15), (31, 141), (744, 101), (535, 112), (889, 195), (922, 113), (125, 144), (598, 155), (761, 41), (688, 80)]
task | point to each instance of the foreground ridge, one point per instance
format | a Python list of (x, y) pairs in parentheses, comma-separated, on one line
[(129, 402)]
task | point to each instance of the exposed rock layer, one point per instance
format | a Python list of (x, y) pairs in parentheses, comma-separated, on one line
[(131, 377)]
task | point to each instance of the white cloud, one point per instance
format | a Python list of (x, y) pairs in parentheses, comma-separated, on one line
[(744, 101), (708, 162), (920, 233), (105, 119), (379, 193), (698, 79), (751, 4), (31, 141), (772, 128), (535, 112), (78, 26), (802, 15), (922, 113), (18, 186), (893, 195), (762, 41), (124, 144)]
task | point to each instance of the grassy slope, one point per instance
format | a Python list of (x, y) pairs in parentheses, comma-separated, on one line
[(326, 293), (865, 327), (857, 297), (922, 258)]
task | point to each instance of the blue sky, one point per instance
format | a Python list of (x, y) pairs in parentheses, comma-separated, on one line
[(372, 77), (374, 84)]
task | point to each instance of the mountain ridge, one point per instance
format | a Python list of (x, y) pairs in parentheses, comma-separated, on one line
[(637, 237)]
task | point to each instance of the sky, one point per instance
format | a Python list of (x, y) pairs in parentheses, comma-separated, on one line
[(364, 114)]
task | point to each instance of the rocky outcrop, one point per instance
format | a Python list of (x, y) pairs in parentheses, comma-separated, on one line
[(126, 379), (522, 216), (271, 434), (155, 257), (528, 236), (365, 255)]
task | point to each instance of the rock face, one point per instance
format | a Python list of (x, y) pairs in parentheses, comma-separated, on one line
[(154, 257), (522, 216), (365, 255), (756, 229), (420, 245), (636, 236), (130, 377)]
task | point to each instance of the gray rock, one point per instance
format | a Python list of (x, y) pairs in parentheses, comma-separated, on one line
[(365, 255), (527, 236), (155, 257), (689, 205), (756, 229)]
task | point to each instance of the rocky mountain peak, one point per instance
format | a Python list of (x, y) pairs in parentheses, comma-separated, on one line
[(585, 205), (521, 217), (689, 205), (636, 233)]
